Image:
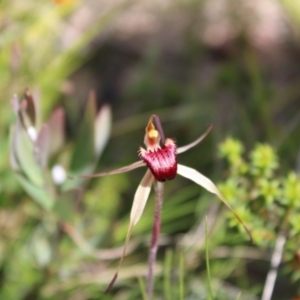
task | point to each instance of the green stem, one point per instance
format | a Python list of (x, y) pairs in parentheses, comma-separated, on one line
[(207, 262)]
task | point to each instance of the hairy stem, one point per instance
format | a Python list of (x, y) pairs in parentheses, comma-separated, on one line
[(159, 189)]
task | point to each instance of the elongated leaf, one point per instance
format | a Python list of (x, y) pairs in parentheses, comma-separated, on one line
[(41, 146), (24, 155), (12, 154), (30, 107), (102, 129), (39, 194), (56, 125), (84, 147), (211, 296)]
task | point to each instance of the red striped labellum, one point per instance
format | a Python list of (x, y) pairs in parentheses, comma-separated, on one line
[(162, 161)]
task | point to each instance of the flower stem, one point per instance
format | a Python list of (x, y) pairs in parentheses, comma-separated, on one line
[(159, 189)]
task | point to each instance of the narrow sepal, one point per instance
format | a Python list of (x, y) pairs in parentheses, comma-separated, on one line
[(197, 141), (128, 168), (206, 183), (141, 197), (111, 284), (139, 202)]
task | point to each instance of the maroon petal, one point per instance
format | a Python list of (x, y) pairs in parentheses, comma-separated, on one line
[(162, 162)]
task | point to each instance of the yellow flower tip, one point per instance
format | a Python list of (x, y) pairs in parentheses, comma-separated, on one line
[(152, 136), (150, 126)]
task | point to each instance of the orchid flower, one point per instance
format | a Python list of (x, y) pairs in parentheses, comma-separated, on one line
[(160, 157)]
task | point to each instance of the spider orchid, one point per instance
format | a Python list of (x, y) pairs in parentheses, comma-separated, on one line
[(160, 157)]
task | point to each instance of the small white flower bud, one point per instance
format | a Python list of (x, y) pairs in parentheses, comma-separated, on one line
[(58, 174), (31, 131)]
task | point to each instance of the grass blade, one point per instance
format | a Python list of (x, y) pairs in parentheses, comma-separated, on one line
[(211, 297), (142, 288), (167, 274), (238, 296), (181, 276)]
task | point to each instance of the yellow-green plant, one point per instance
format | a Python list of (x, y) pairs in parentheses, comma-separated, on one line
[(266, 198)]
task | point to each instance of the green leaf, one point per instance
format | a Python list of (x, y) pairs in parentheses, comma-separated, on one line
[(291, 188), (102, 129), (41, 146), (12, 155), (40, 246), (56, 125), (23, 151), (66, 204), (40, 195), (263, 160), (30, 107), (231, 149), (211, 296), (167, 274), (84, 146)]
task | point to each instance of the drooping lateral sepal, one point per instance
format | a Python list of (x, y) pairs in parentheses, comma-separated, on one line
[(162, 161), (206, 183)]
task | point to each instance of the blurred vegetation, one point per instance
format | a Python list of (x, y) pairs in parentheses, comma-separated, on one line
[(81, 60)]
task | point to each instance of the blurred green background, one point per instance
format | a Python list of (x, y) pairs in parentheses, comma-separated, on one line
[(97, 70)]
